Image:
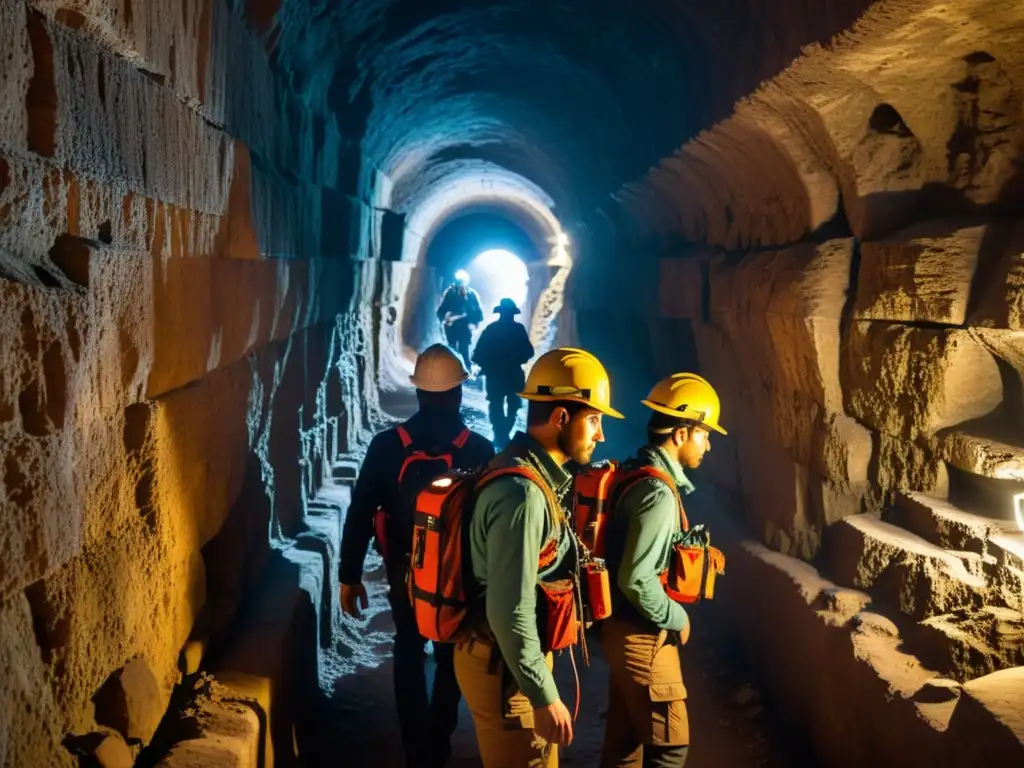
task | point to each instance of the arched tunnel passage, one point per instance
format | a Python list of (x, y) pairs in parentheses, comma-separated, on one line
[(215, 218)]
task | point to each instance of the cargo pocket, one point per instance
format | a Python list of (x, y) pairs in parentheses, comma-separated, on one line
[(670, 725)]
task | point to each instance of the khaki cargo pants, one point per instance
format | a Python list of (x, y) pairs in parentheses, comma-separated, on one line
[(646, 697), (502, 715)]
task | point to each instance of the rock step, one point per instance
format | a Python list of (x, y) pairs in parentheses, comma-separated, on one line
[(223, 733), (843, 672), (986, 447), (994, 706), (904, 569), (941, 523), (345, 471), (970, 644)]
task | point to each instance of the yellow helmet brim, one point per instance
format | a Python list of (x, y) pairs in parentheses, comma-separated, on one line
[(672, 412)]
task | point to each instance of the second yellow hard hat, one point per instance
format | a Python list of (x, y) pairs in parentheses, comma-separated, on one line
[(687, 396)]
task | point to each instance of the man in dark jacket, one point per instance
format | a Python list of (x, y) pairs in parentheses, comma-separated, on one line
[(460, 313), (501, 352), (383, 486)]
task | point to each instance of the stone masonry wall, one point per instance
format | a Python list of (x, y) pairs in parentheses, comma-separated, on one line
[(170, 395), (842, 259)]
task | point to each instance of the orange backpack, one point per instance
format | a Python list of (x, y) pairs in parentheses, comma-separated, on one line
[(692, 568), (442, 590), (597, 489)]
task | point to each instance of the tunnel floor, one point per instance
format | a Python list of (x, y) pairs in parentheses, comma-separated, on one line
[(731, 724)]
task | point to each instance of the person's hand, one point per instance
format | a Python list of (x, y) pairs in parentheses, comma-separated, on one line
[(684, 633), (553, 723), (349, 594)]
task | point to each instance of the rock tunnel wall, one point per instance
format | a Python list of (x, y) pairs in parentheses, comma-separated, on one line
[(842, 259), (187, 346)]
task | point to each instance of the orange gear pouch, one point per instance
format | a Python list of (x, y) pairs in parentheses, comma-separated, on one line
[(691, 574), (559, 623)]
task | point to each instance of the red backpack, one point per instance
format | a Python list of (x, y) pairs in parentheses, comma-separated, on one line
[(442, 589), (692, 569), (595, 492), (393, 529)]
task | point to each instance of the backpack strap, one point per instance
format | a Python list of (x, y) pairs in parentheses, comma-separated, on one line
[(403, 435), (645, 472), (550, 550), (406, 438)]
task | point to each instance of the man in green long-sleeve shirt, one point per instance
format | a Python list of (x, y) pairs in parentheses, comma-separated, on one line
[(647, 723), (519, 537)]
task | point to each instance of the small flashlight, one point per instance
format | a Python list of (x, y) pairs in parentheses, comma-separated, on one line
[(1018, 510)]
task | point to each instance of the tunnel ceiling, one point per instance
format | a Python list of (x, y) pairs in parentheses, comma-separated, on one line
[(578, 96)]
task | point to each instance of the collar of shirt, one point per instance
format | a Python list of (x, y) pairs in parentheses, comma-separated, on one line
[(658, 457), (525, 447)]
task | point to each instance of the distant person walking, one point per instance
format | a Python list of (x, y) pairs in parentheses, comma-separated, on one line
[(501, 352), (460, 313)]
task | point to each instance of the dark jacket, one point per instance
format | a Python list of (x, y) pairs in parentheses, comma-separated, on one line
[(453, 301), (501, 352), (377, 485)]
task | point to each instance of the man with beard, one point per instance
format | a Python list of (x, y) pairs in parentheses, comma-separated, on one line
[(520, 541), (647, 723)]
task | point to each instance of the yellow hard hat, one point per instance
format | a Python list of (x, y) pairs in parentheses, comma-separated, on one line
[(438, 369), (572, 375), (687, 396)]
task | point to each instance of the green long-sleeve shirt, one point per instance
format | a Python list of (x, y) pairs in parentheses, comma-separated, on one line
[(510, 525), (644, 527)]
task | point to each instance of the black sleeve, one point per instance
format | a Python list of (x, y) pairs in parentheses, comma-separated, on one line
[(482, 349), (476, 313), (525, 346), (366, 499), (443, 309)]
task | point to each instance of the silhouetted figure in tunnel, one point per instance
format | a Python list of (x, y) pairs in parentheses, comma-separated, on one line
[(501, 352), (460, 313), (399, 463)]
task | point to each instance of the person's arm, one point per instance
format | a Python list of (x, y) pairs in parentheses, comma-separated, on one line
[(482, 349), (525, 346), (653, 512), (515, 514), (366, 499), (476, 312), (442, 310)]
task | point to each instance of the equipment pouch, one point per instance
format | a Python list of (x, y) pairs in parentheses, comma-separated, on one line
[(691, 574), (598, 590), (559, 623)]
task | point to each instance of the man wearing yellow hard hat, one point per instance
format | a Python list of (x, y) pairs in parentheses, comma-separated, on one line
[(647, 723), (522, 554)]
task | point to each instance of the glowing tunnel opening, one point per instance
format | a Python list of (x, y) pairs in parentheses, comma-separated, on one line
[(498, 274)]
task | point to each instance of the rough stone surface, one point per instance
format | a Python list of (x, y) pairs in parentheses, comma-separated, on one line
[(912, 382), (923, 274), (970, 645), (986, 448), (941, 523), (998, 698), (130, 702), (918, 578), (113, 753)]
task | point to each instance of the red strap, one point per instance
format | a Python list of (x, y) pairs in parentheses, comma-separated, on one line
[(550, 550), (404, 436), (658, 474), (460, 441)]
